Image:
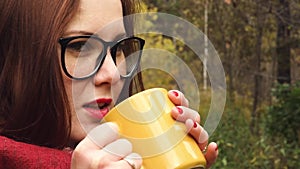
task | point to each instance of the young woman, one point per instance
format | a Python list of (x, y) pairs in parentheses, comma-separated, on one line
[(39, 81)]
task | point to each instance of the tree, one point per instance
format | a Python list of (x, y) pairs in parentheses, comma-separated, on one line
[(283, 45), (260, 20)]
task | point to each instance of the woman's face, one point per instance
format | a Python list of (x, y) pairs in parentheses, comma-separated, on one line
[(92, 98)]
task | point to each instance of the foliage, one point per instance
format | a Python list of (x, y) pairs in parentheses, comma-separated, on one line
[(233, 30), (284, 115), (239, 148)]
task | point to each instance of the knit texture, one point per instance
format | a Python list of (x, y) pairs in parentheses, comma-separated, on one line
[(18, 155)]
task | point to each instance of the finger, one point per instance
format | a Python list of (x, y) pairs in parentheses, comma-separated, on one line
[(182, 114), (101, 135), (211, 154), (133, 160), (198, 133), (178, 98), (112, 153), (117, 149)]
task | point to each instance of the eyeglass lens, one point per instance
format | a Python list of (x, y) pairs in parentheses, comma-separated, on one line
[(83, 56)]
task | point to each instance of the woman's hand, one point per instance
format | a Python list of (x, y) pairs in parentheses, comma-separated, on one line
[(191, 119), (102, 148)]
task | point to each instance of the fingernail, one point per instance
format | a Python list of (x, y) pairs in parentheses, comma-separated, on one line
[(180, 111), (216, 149), (175, 93), (195, 125)]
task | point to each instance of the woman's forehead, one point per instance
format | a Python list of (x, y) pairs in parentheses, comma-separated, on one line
[(96, 16)]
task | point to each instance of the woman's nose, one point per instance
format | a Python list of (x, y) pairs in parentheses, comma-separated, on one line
[(108, 72)]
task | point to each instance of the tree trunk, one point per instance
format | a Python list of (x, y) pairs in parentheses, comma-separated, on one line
[(283, 48), (257, 67)]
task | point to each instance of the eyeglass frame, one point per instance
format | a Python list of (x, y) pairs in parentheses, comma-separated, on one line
[(106, 44)]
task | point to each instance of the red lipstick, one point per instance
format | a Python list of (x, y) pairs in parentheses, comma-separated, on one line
[(99, 107)]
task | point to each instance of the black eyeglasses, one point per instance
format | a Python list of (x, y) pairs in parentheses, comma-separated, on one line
[(83, 56)]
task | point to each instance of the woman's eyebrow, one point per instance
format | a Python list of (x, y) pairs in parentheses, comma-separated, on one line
[(72, 33), (120, 36), (75, 32)]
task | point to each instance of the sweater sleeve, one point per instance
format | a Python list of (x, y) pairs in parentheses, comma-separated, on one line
[(18, 155)]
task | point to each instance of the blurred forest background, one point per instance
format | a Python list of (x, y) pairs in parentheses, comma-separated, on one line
[(258, 42)]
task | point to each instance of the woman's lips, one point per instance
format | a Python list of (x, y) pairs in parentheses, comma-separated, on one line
[(98, 108)]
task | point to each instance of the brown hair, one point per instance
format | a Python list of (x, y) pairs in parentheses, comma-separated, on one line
[(34, 107)]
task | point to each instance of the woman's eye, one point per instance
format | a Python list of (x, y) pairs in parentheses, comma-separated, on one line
[(79, 46)]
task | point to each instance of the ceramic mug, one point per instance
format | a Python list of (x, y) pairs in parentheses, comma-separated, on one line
[(145, 120)]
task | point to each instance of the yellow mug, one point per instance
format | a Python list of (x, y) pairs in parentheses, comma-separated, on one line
[(145, 120)]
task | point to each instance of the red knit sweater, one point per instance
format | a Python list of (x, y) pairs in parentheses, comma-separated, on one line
[(18, 155)]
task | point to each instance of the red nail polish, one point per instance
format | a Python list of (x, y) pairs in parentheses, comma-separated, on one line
[(175, 93), (195, 125), (216, 149), (180, 111)]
